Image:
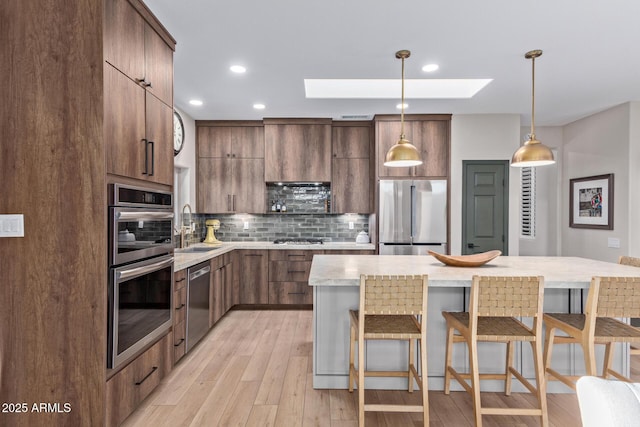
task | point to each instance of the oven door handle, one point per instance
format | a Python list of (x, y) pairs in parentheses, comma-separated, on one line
[(137, 216), (138, 271)]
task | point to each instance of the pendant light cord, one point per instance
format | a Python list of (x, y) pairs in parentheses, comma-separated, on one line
[(402, 105), (533, 97)]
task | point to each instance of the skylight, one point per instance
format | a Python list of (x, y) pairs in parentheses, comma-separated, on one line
[(390, 88)]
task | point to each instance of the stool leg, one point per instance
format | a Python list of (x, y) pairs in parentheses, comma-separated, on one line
[(507, 371), (352, 345), (360, 381), (412, 350), (447, 360), (541, 381), (608, 359), (549, 336), (589, 356), (475, 380), (424, 382)]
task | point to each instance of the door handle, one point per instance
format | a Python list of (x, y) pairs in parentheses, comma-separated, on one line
[(471, 246)]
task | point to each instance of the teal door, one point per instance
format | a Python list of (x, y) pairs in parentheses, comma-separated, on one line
[(485, 206)]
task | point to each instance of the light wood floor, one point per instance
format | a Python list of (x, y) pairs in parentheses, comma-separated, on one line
[(254, 369)]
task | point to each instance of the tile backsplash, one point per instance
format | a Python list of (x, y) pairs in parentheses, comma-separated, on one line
[(268, 227)]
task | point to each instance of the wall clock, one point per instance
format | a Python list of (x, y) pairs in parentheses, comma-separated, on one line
[(178, 133)]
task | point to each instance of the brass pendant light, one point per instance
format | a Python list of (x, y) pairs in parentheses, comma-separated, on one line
[(533, 152), (403, 153)]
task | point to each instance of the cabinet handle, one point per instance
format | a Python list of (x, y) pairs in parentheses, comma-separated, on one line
[(179, 342), (296, 293), (146, 160), (296, 271), (253, 254), (155, 368), (228, 155), (153, 155), (180, 280), (181, 307), (292, 255), (233, 198), (143, 81), (228, 202), (233, 155)]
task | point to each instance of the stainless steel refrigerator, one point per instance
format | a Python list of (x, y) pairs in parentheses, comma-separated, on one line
[(413, 217)]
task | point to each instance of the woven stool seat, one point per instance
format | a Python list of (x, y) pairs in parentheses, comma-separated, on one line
[(609, 298), (607, 328), (391, 308), (497, 329), (390, 327), (493, 307)]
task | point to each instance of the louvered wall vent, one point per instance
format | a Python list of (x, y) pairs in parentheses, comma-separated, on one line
[(528, 203)]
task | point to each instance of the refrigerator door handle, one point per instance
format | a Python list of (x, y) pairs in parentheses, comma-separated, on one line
[(413, 210)]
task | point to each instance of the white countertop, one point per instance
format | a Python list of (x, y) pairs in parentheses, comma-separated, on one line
[(559, 272), (185, 260)]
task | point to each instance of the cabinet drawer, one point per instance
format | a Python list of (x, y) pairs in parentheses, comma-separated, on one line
[(179, 280), (179, 305), (290, 293), (299, 255), (179, 333), (130, 386), (289, 271)]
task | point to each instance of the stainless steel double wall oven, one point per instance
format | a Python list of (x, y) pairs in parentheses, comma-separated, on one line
[(140, 269)]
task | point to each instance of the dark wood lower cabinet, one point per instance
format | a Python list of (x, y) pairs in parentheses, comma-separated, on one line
[(179, 314), (254, 276), (130, 386), (290, 293)]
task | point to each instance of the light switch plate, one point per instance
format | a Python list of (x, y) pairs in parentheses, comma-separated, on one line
[(246, 225), (12, 225), (613, 242), (350, 225)]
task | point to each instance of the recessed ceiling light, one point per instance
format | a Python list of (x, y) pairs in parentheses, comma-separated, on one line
[(196, 102), (429, 68), (399, 106), (389, 88), (238, 69), (259, 106)]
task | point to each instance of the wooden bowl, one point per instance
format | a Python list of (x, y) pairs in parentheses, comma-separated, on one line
[(474, 260)]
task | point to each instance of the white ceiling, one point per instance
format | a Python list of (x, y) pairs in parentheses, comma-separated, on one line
[(590, 59)]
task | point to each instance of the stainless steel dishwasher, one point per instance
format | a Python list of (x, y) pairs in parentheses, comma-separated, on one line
[(197, 303)]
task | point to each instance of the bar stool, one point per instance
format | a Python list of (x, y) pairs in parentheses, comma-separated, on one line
[(635, 262), (493, 307), (609, 297), (387, 311)]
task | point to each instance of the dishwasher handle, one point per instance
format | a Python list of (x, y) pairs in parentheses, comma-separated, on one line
[(201, 272)]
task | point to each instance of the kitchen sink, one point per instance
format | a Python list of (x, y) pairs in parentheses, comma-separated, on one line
[(192, 249)]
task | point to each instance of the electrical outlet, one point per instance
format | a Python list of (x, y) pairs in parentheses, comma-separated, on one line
[(613, 242), (350, 225), (12, 225), (246, 225)]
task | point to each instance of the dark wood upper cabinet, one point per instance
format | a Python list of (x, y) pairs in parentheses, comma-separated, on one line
[(159, 135), (429, 133), (297, 150), (134, 46), (352, 167), (124, 38), (124, 123), (230, 174)]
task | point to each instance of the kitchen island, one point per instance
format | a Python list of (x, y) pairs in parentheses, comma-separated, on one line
[(336, 280)]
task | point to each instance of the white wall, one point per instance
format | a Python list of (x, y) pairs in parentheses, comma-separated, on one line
[(596, 145), (484, 137), (634, 180), (184, 185), (548, 197)]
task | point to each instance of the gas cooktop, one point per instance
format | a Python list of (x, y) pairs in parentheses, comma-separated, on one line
[(298, 241)]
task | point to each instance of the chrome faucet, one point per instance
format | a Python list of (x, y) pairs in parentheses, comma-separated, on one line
[(184, 242)]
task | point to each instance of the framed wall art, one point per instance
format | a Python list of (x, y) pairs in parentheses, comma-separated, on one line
[(591, 202)]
